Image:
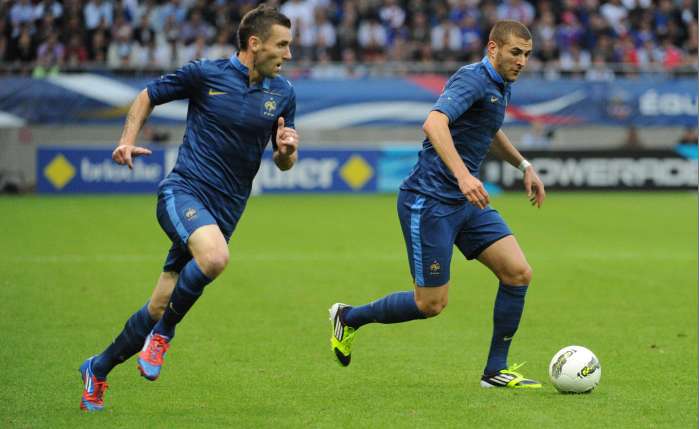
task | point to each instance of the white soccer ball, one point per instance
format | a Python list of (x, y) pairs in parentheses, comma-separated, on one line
[(575, 369)]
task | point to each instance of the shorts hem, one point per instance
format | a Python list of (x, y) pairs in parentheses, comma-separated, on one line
[(476, 253)]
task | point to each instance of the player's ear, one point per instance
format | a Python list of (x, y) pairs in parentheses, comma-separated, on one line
[(492, 48), (254, 43)]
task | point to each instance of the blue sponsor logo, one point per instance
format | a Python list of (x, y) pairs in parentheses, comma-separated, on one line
[(70, 170)]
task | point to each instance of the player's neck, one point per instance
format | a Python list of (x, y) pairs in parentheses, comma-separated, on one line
[(248, 60)]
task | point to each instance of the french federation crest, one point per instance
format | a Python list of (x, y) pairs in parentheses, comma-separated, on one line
[(435, 268), (269, 108), (190, 213)]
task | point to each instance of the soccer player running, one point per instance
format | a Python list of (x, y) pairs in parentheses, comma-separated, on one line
[(235, 106), (442, 203)]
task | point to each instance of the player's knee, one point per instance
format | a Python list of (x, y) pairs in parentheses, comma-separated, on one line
[(213, 263), (431, 307), (518, 276)]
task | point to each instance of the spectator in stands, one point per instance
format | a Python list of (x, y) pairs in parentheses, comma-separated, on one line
[(173, 9), (23, 49), (21, 14), (615, 13), (650, 57), (144, 33), (76, 53), (325, 37), (98, 12), (301, 14), (373, 39), (98, 46), (196, 28), (575, 60), (50, 56), (48, 7), (516, 10), (544, 29), (471, 38), (347, 29), (169, 54), (222, 48), (144, 56), (446, 40), (672, 56), (545, 59), (4, 45), (692, 57), (420, 36), (599, 72), (392, 18), (194, 51), (121, 49)]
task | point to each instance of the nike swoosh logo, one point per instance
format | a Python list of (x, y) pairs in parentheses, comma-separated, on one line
[(212, 92), (493, 99), (173, 310), (507, 338)]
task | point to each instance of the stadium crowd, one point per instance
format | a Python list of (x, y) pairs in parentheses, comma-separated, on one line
[(595, 39)]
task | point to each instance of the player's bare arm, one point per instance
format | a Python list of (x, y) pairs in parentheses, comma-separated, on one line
[(503, 148), (436, 128), (285, 154), (138, 113)]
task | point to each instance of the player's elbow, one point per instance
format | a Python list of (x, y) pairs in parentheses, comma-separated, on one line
[(434, 121), (427, 126)]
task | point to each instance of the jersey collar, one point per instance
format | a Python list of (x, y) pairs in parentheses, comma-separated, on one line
[(235, 61), (493, 73)]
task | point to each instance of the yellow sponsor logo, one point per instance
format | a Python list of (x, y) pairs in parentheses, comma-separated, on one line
[(356, 172), (59, 172), (214, 92)]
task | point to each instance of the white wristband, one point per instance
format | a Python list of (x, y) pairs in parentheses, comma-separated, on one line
[(524, 165)]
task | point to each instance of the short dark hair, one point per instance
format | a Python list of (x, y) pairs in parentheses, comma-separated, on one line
[(502, 30), (258, 22)]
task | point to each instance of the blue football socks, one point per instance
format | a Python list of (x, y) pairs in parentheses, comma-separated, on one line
[(126, 344), (509, 304), (395, 308), (190, 285)]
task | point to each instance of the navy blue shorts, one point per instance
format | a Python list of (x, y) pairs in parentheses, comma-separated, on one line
[(431, 228), (180, 213)]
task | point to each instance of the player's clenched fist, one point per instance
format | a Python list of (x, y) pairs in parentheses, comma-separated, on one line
[(124, 154), (287, 138)]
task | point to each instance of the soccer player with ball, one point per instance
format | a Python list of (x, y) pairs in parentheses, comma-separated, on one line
[(442, 203)]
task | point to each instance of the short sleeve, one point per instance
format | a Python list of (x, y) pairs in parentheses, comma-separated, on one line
[(460, 92), (183, 83)]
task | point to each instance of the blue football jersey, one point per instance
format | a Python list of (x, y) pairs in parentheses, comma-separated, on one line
[(229, 123), (474, 99)]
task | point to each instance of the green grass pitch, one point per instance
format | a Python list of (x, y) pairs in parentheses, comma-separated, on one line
[(615, 272)]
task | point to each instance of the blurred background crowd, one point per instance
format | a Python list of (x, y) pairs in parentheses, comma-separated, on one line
[(591, 39)]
